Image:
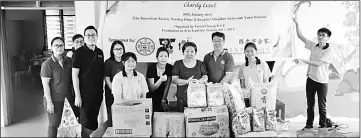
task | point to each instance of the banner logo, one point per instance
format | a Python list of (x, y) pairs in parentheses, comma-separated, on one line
[(167, 43), (145, 46)]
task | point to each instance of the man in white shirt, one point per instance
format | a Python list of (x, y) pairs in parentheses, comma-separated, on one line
[(317, 72)]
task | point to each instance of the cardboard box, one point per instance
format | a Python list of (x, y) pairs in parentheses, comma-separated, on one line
[(109, 133), (168, 124), (132, 118), (215, 94), (207, 122), (259, 134)]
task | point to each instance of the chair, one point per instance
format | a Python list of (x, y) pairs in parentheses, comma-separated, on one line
[(21, 70)]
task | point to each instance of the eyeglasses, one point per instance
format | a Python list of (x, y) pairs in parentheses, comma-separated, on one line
[(118, 49), (58, 46), (89, 36), (219, 41), (78, 42)]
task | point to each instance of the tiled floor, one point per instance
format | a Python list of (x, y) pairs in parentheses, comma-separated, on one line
[(31, 119)]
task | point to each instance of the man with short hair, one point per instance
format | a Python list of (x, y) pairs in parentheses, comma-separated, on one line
[(317, 72), (78, 41), (219, 63), (88, 65)]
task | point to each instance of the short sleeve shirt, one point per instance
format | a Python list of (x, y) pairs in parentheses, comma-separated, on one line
[(179, 69), (153, 73), (217, 67), (111, 68), (256, 73), (60, 77), (130, 88), (319, 74), (91, 65)]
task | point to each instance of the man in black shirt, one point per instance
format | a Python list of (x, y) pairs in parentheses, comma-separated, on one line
[(88, 64)]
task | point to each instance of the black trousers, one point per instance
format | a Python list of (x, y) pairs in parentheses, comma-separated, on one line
[(89, 112), (181, 104), (313, 87), (109, 100)]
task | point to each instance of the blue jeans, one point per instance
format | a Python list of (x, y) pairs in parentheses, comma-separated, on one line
[(54, 118), (313, 87)]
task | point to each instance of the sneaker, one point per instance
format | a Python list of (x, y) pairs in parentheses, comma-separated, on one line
[(308, 127)]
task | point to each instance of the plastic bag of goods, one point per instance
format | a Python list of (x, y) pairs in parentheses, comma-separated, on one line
[(215, 94), (233, 100), (241, 124), (263, 94), (258, 120), (271, 120), (196, 95), (283, 128)]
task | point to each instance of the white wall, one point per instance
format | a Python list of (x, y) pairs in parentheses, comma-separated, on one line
[(84, 15)]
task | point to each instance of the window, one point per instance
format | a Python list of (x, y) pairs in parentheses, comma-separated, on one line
[(60, 23)]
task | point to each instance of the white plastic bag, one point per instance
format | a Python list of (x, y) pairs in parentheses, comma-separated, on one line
[(264, 94)]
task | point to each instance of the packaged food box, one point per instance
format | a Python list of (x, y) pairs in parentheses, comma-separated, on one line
[(168, 124), (207, 122), (132, 118)]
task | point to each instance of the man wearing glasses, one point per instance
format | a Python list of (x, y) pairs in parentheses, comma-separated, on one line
[(317, 72), (219, 63), (78, 41), (87, 74)]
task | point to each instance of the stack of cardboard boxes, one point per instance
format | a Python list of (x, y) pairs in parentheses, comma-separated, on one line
[(210, 119)]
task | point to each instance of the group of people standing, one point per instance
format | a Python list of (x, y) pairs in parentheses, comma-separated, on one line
[(80, 75)]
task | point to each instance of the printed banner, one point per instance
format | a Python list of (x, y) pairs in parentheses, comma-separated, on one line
[(144, 26)]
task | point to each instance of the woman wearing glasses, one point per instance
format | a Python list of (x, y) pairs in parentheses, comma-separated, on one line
[(112, 66), (56, 79), (78, 41)]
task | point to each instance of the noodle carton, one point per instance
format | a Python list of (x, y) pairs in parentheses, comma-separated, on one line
[(207, 122)]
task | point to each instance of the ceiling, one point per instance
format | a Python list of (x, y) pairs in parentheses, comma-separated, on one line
[(37, 5)]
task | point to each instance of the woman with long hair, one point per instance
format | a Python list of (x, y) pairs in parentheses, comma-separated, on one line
[(113, 65)]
